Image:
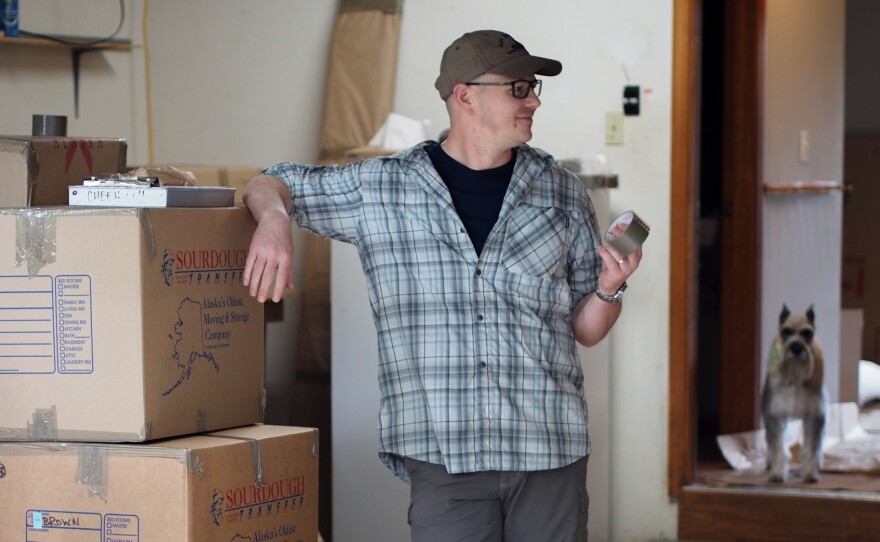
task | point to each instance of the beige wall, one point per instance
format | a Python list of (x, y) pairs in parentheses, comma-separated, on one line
[(242, 83), (802, 233), (39, 80)]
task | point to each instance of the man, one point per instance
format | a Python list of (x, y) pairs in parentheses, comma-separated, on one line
[(484, 266)]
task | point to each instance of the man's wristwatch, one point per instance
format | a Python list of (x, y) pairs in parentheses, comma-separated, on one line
[(616, 298)]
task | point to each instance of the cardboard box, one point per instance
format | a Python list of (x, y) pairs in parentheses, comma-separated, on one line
[(252, 483), (127, 324), (232, 176), (36, 171)]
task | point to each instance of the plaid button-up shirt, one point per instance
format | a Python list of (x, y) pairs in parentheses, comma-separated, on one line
[(478, 365)]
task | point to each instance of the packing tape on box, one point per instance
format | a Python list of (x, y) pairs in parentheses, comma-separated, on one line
[(258, 461), (44, 426), (92, 466), (194, 464), (149, 233), (34, 239), (257, 456), (201, 421), (631, 234), (35, 232), (91, 469)]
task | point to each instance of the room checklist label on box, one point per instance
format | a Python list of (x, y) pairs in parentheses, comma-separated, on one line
[(45, 325), (121, 528), (73, 305)]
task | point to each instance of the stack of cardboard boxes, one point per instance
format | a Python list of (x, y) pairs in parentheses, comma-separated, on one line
[(131, 368)]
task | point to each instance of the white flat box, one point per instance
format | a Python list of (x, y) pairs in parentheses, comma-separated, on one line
[(125, 325), (851, 324), (159, 196)]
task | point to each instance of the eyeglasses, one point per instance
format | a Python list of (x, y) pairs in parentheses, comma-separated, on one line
[(520, 88)]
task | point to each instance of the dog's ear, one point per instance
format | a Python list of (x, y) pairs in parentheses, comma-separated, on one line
[(783, 316), (811, 316)]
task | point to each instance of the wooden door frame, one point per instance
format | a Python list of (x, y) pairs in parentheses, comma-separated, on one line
[(683, 245), (744, 24), (740, 227)]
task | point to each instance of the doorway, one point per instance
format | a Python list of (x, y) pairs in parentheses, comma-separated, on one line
[(728, 222), (710, 224)]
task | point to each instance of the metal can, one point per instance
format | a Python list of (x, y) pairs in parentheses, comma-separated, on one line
[(9, 18)]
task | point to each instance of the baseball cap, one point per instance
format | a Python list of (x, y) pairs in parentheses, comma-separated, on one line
[(488, 51)]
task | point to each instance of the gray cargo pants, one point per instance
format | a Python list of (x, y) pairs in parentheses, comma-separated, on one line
[(493, 506)]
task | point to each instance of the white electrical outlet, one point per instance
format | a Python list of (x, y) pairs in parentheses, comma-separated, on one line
[(614, 128)]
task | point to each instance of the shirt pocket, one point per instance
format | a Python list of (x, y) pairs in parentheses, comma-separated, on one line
[(537, 241)]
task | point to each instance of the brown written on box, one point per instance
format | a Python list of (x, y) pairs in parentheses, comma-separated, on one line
[(127, 324), (36, 171), (252, 483)]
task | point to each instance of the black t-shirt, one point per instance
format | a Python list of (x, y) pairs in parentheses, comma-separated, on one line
[(476, 194)]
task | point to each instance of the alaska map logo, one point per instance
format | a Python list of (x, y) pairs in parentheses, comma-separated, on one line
[(201, 324), (188, 344)]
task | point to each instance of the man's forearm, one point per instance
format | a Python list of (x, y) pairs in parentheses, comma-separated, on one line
[(268, 265), (266, 193), (593, 318)]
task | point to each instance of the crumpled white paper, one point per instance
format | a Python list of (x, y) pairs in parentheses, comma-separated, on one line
[(398, 132), (846, 446)]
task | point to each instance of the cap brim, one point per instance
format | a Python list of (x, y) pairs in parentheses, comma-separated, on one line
[(528, 64)]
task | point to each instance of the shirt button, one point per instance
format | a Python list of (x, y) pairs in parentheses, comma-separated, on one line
[(482, 365), (479, 272), (479, 318)]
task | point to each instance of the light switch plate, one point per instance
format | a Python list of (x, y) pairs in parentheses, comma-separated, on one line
[(614, 128)]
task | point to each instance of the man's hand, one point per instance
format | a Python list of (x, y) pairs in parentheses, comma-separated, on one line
[(616, 268), (268, 264)]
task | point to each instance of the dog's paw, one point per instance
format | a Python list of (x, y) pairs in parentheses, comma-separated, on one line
[(811, 478), (777, 478)]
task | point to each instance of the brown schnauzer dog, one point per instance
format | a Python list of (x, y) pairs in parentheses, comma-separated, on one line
[(793, 389)]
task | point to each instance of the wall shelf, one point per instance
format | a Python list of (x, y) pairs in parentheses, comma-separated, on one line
[(67, 42), (77, 45), (809, 187)]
